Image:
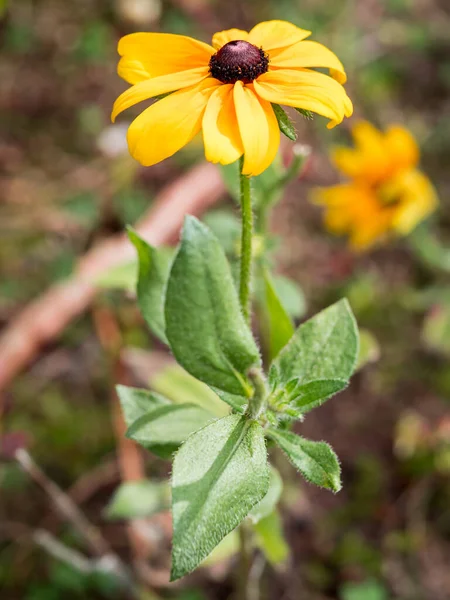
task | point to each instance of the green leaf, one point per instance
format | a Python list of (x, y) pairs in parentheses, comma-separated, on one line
[(284, 122), (369, 349), (227, 548), (238, 402), (204, 323), (270, 500), (165, 428), (154, 267), (436, 330), (123, 277), (181, 388), (137, 402), (325, 347), (270, 538), (308, 114), (226, 226), (219, 474), (305, 397), (316, 461), (277, 322), (367, 590), (291, 296), (429, 249), (138, 499)]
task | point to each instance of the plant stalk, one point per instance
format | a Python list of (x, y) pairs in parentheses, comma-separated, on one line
[(245, 534), (246, 245)]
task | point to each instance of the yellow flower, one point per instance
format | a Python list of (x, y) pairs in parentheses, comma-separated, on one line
[(386, 194), (226, 90)]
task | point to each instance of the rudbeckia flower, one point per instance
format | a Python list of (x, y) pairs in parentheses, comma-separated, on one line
[(386, 194), (226, 90)]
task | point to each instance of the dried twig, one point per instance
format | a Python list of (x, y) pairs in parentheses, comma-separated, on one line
[(44, 319), (64, 505), (106, 558), (131, 463)]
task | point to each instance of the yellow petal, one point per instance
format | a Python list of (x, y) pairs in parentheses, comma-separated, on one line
[(169, 124), (401, 146), (369, 161), (418, 200), (368, 137), (354, 210), (229, 35), (271, 35), (220, 129), (156, 86), (309, 54), (258, 128), (305, 89), (147, 55)]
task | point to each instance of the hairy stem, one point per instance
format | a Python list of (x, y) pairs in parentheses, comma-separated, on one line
[(245, 559), (246, 245)]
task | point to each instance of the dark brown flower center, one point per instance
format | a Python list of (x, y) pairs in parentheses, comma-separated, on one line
[(238, 60)]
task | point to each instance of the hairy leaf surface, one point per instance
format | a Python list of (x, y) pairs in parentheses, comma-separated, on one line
[(316, 461), (325, 347), (219, 474), (165, 428), (204, 323), (136, 402)]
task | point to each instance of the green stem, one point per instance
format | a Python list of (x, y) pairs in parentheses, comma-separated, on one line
[(257, 402), (246, 246), (245, 301)]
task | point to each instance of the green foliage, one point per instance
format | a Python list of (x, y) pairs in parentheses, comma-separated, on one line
[(219, 475), (220, 472), (138, 499), (429, 249), (176, 384), (367, 590), (369, 349), (154, 267), (136, 402), (122, 277), (436, 330), (270, 538), (304, 397), (227, 229), (204, 324), (277, 322), (305, 113), (165, 428), (316, 461), (270, 500), (324, 347), (284, 122), (291, 296)]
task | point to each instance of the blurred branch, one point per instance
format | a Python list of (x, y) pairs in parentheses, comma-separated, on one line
[(46, 317), (71, 513), (131, 463), (62, 552), (64, 504)]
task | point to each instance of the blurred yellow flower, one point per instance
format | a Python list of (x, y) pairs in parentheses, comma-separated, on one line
[(386, 194), (226, 90)]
